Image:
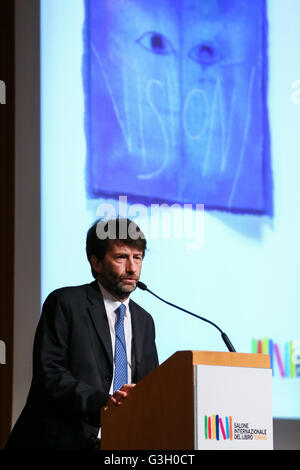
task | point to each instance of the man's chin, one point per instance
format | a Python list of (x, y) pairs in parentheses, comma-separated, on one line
[(126, 288)]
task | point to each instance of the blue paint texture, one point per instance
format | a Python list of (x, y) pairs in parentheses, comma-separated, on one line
[(176, 102)]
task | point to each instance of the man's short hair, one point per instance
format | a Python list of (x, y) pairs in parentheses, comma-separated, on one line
[(104, 232)]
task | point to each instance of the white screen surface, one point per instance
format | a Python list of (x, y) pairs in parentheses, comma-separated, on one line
[(244, 277)]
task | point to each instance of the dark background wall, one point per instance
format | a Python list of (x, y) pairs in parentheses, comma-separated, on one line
[(19, 201), (27, 195)]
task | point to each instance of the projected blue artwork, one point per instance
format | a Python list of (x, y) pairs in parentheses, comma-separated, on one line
[(176, 102)]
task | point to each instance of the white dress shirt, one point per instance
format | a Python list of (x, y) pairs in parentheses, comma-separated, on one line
[(111, 305)]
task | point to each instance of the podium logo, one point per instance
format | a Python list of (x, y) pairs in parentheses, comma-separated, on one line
[(285, 360), (217, 428)]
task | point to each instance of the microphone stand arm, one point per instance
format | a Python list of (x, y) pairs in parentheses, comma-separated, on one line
[(223, 335)]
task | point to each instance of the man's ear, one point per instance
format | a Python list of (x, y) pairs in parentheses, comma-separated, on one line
[(96, 264)]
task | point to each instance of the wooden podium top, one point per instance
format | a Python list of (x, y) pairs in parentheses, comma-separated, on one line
[(233, 359)]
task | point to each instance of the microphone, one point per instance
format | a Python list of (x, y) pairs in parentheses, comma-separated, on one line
[(225, 338)]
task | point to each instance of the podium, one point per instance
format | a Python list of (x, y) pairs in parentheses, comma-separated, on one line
[(196, 400)]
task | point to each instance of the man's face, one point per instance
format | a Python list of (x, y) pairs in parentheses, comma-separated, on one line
[(120, 269)]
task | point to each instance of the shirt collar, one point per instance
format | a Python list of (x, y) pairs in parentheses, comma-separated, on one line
[(111, 303)]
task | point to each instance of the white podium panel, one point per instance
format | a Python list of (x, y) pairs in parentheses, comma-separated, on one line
[(232, 408)]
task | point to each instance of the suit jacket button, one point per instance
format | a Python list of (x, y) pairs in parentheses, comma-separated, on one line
[(108, 378)]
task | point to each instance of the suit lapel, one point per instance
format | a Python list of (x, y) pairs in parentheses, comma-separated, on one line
[(98, 315)]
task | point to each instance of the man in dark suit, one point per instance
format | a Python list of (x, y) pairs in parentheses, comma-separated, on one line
[(75, 341)]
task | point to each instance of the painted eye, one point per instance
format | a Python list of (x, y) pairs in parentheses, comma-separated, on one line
[(156, 43), (204, 54)]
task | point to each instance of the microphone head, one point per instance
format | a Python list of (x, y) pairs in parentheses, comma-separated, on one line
[(141, 285)]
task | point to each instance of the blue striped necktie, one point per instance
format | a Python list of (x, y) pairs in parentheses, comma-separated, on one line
[(120, 350)]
